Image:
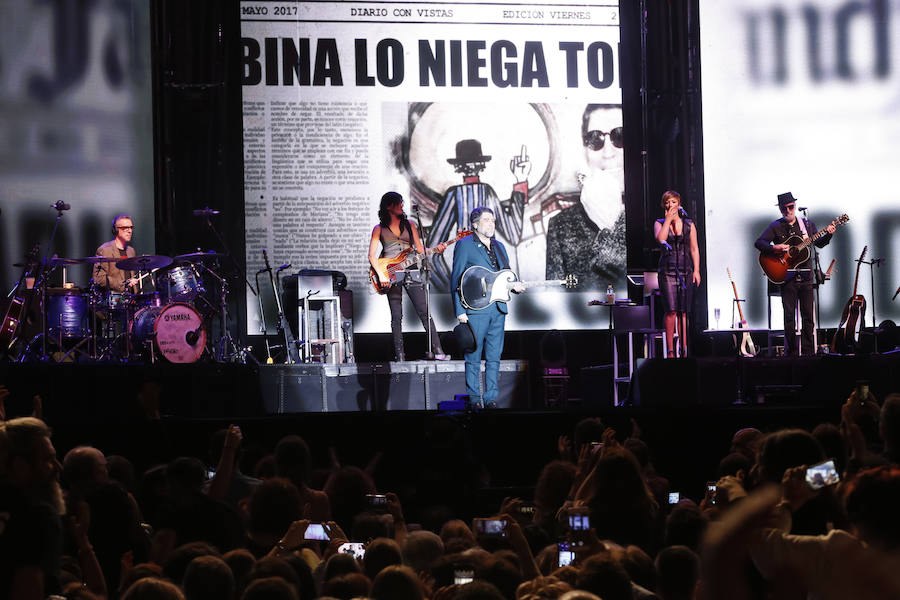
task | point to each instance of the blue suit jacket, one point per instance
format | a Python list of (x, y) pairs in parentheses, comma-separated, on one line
[(470, 252)]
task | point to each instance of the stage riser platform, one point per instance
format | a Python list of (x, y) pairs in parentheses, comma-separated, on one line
[(364, 387)]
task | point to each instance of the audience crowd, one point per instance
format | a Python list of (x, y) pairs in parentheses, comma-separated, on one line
[(240, 524)]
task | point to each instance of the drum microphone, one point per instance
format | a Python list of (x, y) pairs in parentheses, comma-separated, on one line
[(60, 205), (205, 212)]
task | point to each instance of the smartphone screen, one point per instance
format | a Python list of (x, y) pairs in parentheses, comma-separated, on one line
[(490, 527), (566, 555), (822, 475), (711, 491), (315, 531), (463, 576), (674, 497), (355, 549), (579, 522)]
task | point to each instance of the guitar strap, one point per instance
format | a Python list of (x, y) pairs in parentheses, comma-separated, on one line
[(803, 228)]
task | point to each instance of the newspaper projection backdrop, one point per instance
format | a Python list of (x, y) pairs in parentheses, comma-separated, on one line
[(801, 96), (444, 103)]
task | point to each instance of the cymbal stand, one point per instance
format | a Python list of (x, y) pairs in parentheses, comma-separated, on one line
[(44, 275), (226, 349)]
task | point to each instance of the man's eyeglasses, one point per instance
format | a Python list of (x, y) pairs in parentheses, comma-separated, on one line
[(595, 139), (787, 207), (126, 227)]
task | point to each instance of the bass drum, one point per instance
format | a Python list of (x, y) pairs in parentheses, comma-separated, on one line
[(175, 329)]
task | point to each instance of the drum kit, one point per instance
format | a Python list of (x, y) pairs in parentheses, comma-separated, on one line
[(171, 322)]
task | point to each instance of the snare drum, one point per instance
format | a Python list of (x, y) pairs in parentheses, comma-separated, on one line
[(67, 313), (181, 284), (176, 330)]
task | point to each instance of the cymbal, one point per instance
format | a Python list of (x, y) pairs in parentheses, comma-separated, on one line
[(196, 256), (57, 261), (144, 263), (97, 259)]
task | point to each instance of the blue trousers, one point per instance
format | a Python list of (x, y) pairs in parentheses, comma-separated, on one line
[(487, 325)]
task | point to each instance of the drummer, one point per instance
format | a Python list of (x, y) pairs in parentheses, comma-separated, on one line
[(108, 275)]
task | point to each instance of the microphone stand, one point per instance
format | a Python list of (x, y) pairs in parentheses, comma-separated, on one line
[(262, 319), (875, 262), (41, 281), (425, 267), (814, 271)]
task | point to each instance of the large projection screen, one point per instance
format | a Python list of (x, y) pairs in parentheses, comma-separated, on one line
[(801, 96), (76, 126), (346, 101)]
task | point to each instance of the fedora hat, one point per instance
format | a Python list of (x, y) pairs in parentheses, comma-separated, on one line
[(785, 198), (465, 337), (468, 151)]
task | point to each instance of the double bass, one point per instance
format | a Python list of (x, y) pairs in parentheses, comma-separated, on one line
[(844, 341)]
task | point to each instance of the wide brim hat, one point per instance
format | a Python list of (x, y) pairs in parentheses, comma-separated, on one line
[(468, 151), (785, 198), (465, 337)]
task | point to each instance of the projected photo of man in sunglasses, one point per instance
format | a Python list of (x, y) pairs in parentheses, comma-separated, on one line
[(588, 238)]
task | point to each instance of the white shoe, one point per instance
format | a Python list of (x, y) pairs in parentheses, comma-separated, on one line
[(441, 357)]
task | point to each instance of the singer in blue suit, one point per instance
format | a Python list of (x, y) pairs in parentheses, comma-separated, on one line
[(488, 324)]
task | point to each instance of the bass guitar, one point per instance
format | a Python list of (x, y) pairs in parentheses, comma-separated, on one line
[(384, 274), (844, 341), (745, 347), (479, 287), (9, 328), (776, 266)]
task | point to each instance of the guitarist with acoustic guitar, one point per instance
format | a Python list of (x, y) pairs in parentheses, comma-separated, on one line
[(777, 240), (395, 234), (488, 324)]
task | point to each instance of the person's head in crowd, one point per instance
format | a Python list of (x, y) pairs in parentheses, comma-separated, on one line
[(678, 571), (264, 468), (866, 415), (368, 526), (478, 590), (871, 500), (186, 476), (733, 464), (505, 576), (685, 526), (347, 488), (639, 566), (456, 530), (587, 430), (240, 561), (829, 437), (552, 489), (84, 468), (542, 588), (397, 582), (421, 549), (75, 590), (122, 470), (293, 460), (622, 507), (579, 595), (639, 449), (139, 571), (30, 461), (347, 586), (784, 449), (151, 588), (746, 441), (208, 578), (341, 564), (381, 553), (889, 427), (601, 574), (306, 581), (182, 556), (270, 588), (510, 556), (273, 506)]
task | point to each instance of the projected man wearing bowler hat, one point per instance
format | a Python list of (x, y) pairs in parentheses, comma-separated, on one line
[(460, 200), (488, 324)]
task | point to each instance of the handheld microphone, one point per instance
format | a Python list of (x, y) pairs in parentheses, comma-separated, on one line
[(60, 205), (801, 208), (682, 212), (666, 246)]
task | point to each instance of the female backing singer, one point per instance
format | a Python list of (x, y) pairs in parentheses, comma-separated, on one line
[(396, 233), (679, 268)]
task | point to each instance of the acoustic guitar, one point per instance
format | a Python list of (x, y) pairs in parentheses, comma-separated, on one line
[(384, 274), (776, 266), (745, 347), (844, 341), (9, 328), (479, 287)]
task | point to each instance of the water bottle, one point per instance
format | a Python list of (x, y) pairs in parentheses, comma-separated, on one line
[(610, 294)]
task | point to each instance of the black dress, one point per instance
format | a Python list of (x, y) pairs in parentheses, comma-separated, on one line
[(677, 292)]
